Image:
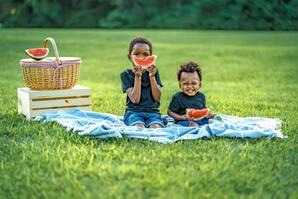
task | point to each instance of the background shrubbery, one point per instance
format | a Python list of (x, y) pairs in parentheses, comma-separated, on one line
[(192, 14)]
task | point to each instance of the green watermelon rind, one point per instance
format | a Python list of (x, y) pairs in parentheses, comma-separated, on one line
[(146, 65), (35, 56), (197, 118)]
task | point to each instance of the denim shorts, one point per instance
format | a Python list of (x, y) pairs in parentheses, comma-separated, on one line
[(132, 118), (198, 122)]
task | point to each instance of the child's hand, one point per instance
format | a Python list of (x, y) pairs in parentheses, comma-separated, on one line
[(211, 115), (184, 117), (138, 71), (152, 70)]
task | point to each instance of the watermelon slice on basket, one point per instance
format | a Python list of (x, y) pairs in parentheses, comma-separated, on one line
[(37, 53), (197, 114), (144, 62)]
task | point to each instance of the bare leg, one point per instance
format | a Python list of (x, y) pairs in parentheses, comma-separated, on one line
[(155, 126), (140, 125)]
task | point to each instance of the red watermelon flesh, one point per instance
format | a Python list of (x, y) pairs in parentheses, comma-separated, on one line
[(197, 114), (144, 62), (37, 53)]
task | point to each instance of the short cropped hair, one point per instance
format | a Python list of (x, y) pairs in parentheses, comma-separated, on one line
[(189, 67), (139, 40)]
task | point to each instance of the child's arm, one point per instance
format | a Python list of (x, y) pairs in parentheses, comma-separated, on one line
[(153, 84), (134, 93), (155, 89), (177, 116)]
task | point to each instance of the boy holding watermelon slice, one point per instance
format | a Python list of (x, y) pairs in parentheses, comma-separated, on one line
[(142, 85), (188, 107)]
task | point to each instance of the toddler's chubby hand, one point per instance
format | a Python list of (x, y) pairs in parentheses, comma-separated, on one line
[(138, 71), (152, 70), (211, 115), (184, 117)]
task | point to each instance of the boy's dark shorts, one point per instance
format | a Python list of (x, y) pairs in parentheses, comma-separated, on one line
[(198, 122), (132, 118)]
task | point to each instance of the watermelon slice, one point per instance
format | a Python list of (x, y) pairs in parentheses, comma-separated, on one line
[(37, 53), (144, 62), (197, 114)]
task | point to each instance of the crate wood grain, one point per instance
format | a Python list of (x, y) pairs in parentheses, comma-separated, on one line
[(32, 103)]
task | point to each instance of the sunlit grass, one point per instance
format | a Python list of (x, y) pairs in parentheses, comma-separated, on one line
[(244, 74)]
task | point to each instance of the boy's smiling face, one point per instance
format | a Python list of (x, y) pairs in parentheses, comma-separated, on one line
[(189, 83), (140, 50)]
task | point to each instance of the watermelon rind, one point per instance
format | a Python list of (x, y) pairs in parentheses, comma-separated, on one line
[(135, 59), (37, 57), (196, 118)]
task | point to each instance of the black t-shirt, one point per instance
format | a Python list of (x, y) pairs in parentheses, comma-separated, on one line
[(147, 103), (180, 102)]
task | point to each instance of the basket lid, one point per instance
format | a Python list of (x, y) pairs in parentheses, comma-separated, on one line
[(51, 59)]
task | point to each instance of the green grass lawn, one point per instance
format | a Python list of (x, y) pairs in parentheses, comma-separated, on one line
[(244, 74)]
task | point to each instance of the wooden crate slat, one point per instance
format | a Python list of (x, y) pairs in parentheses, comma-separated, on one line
[(23, 102), (75, 91), (32, 103), (35, 113), (60, 103)]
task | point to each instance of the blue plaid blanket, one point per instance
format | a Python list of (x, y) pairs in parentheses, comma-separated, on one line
[(104, 125)]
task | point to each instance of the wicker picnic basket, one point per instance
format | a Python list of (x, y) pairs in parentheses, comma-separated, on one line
[(51, 72)]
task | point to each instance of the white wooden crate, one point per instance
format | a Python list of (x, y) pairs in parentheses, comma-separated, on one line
[(32, 103)]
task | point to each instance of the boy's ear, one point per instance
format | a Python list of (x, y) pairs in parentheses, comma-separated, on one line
[(129, 57)]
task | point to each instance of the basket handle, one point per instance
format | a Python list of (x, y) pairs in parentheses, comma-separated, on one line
[(46, 41)]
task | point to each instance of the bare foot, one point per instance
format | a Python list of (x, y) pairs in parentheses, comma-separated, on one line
[(192, 124)]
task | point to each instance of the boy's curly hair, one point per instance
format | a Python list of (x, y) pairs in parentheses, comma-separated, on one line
[(139, 40), (189, 67)]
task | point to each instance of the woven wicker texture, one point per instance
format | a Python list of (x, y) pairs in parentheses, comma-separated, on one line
[(42, 78), (56, 75)]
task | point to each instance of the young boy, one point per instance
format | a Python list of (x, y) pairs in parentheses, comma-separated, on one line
[(190, 78), (142, 88)]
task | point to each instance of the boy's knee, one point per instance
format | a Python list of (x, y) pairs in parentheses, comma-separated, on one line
[(155, 126), (140, 125)]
